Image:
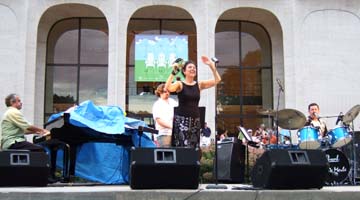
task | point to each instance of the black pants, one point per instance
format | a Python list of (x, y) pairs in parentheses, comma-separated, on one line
[(27, 146)]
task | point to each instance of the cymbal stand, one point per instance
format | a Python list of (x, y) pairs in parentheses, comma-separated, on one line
[(354, 164), (276, 117)]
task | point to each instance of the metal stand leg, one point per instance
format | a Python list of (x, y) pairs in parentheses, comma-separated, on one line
[(216, 186), (354, 165)]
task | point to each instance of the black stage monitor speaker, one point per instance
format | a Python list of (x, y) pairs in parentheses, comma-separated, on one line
[(290, 169), (23, 168), (164, 168), (231, 161)]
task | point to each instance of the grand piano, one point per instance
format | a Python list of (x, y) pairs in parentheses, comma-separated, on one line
[(65, 136)]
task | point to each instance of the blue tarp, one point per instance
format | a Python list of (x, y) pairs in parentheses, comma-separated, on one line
[(104, 162)]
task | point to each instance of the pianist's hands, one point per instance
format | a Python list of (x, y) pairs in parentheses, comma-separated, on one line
[(44, 132)]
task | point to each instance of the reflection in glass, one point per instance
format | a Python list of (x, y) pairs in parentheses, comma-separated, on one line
[(227, 43), (75, 74), (247, 85), (94, 45), (62, 46), (251, 53), (93, 84), (60, 88), (255, 48)]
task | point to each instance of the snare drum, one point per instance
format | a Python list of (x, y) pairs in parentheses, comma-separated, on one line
[(308, 138), (339, 136), (339, 167)]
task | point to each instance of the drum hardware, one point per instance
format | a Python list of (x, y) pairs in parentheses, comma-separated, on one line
[(353, 159), (341, 169), (291, 119), (348, 119), (341, 136)]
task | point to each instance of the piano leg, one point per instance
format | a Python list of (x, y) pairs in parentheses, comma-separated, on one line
[(72, 159), (53, 155), (65, 172), (53, 147)]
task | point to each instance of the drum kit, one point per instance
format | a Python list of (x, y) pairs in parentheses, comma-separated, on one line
[(331, 144)]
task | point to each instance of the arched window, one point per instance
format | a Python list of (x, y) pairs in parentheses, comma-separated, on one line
[(243, 49), (76, 63)]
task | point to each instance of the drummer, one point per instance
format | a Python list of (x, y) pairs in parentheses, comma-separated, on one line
[(315, 121)]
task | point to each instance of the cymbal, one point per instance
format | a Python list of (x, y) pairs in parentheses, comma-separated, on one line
[(263, 111), (351, 114), (291, 119)]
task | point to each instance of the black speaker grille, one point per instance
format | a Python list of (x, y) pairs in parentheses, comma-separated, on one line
[(147, 171), (231, 162), (275, 169), (31, 170)]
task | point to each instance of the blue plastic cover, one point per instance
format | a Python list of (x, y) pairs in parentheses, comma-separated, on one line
[(104, 162)]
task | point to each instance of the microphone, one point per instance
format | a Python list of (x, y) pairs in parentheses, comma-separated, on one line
[(280, 85), (340, 118), (215, 60), (316, 115)]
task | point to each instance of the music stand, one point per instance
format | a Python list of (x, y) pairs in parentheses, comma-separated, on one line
[(249, 142), (142, 129), (247, 137)]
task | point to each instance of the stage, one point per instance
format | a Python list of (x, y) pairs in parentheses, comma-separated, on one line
[(120, 192)]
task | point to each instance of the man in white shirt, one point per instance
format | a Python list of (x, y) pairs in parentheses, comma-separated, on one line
[(163, 114)]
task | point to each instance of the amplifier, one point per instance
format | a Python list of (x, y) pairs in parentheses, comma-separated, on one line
[(23, 168), (164, 168), (290, 169)]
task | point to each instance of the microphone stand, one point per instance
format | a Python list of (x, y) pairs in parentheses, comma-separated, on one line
[(216, 186)]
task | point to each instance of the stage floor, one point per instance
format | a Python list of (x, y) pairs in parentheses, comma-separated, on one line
[(122, 192)]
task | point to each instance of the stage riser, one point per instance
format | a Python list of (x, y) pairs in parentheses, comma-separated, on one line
[(124, 192)]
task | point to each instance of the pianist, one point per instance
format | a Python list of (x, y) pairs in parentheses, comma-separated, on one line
[(14, 127)]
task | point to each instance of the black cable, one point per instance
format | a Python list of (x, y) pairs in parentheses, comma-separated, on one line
[(191, 195)]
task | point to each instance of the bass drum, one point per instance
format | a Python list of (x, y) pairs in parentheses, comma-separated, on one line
[(339, 167)]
